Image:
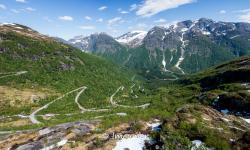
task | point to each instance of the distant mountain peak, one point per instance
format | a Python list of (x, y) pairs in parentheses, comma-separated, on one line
[(133, 38), (184, 47), (99, 42)]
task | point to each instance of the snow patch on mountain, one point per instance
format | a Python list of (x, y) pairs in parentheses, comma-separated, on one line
[(234, 36), (164, 62), (133, 38), (183, 45), (80, 41), (193, 24), (184, 29), (205, 32)]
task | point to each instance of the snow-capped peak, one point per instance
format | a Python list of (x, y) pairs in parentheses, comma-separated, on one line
[(132, 39), (81, 42)]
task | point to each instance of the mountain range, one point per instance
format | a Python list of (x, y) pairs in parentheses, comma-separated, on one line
[(54, 95), (183, 48)]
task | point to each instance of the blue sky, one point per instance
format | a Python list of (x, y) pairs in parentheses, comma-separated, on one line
[(68, 18)]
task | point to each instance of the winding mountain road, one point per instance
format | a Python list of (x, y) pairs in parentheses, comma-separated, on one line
[(85, 109), (77, 97), (113, 103), (32, 116)]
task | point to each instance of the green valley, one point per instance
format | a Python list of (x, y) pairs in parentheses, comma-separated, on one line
[(53, 89)]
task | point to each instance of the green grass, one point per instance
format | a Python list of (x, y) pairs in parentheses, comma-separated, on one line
[(100, 76), (42, 60)]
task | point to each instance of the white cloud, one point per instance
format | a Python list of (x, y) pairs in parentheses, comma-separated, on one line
[(21, 1), (2, 6), (99, 20), (14, 11), (152, 7), (102, 8), (30, 9), (222, 12), (87, 27), (88, 18), (66, 18), (242, 11), (160, 21), (244, 15), (139, 26), (133, 7), (142, 25), (114, 21), (47, 19), (122, 11)]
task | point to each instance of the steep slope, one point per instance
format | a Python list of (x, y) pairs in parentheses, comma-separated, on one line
[(103, 45), (226, 87), (35, 70), (217, 112), (191, 46), (183, 48), (96, 43)]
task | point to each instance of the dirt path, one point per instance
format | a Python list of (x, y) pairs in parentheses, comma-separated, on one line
[(174, 79), (77, 97), (9, 74), (32, 116), (112, 96), (85, 109)]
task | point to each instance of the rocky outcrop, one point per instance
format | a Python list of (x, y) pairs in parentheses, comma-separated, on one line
[(50, 137), (198, 122)]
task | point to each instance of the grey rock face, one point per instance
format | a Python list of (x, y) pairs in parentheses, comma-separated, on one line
[(31, 146), (55, 136), (188, 46), (97, 43), (161, 38)]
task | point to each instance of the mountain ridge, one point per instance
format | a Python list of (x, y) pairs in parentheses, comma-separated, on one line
[(132, 39), (183, 48)]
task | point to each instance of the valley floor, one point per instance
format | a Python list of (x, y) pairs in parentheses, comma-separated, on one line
[(167, 114)]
